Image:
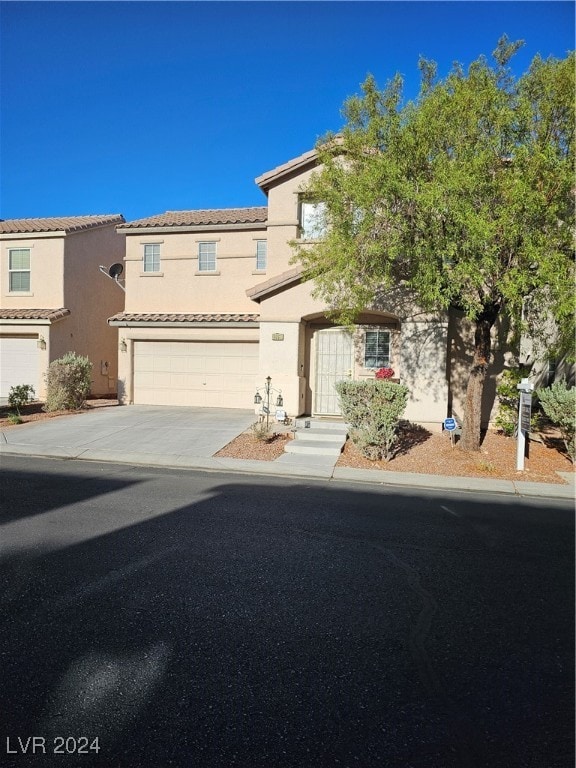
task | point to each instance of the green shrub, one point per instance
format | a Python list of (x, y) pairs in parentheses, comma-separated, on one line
[(508, 396), (559, 403), (68, 383), (373, 409), (14, 418), (20, 395)]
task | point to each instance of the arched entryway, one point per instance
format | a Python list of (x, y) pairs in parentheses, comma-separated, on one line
[(334, 353)]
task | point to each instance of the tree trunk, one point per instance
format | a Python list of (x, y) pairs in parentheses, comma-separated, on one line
[(473, 407)]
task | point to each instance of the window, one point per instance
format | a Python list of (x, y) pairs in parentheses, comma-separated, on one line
[(206, 257), (152, 257), (19, 270), (312, 220), (377, 349), (261, 253)]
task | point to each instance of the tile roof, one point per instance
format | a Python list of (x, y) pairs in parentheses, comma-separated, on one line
[(179, 317), (267, 179), (33, 314), (59, 223), (256, 215), (284, 280)]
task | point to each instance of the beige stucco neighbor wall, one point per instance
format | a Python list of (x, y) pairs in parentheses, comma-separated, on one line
[(64, 274), (92, 298), (179, 286), (46, 273)]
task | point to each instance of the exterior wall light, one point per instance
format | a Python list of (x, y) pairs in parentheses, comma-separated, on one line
[(123, 346), (41, 343)]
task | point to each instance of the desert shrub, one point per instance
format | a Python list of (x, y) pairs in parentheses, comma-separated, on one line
[(373, 409), (260, 431), (68, 382), (508, 396), (20, 395), (14, 418), (559, 403)]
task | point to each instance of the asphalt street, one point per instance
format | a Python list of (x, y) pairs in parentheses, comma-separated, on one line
[(166, 617)]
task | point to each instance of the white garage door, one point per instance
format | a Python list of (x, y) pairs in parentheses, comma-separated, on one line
[(202, 373), (18, 363)]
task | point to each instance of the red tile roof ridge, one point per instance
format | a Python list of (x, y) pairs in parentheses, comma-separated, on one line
[(57, 223), (183, 317), (33, 314), (202, 217)]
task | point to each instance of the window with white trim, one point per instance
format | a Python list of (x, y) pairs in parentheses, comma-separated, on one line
[(19, 270), (312, 220), (261, 254), (377, 349), (151, 261), (207, 257)]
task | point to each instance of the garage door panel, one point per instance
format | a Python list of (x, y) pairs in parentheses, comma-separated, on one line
[(178, 365), (210, 374), (215, 364), (18, 363)]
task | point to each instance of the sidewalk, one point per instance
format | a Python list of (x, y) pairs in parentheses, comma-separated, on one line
[(186, 440)]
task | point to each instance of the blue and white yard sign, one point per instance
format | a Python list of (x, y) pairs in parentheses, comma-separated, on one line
[(450, 424)]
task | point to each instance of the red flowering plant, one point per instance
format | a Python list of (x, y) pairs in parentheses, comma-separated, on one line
[(384, 373)]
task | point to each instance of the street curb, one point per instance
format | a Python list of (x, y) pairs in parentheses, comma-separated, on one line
[(331, 473)]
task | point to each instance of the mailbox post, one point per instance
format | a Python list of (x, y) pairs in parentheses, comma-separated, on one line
[(524, 415)]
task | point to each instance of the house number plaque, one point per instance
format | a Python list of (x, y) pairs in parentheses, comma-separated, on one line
[(277, 337)]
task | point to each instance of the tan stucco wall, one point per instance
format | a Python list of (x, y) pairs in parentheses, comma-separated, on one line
[(46, 273), (283, 223), (418, 350), (92, 298), (178, 287)]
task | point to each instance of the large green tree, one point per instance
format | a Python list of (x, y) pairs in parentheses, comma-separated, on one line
[(464, 195)]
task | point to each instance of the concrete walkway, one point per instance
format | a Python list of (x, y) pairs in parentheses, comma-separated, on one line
[(189, 437)]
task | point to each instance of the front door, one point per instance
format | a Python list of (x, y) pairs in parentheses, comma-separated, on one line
[(334, 362)]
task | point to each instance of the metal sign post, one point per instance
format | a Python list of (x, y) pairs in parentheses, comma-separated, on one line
[(451, 426), (524, 415)]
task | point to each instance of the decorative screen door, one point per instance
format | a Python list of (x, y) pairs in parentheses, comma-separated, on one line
[(334, 362)]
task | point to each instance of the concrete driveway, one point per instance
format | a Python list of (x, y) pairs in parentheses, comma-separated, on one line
[(134, 433)]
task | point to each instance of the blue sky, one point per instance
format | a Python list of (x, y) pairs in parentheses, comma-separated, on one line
[(141, 107)]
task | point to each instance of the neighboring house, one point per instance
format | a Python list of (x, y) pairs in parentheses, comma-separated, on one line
[(53, 299), (214, 305)]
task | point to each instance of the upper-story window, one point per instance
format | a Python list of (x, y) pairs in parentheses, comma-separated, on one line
[(19, 270), (151, 257), (377, 349), (312, 220), (207, 257), (261, 254)]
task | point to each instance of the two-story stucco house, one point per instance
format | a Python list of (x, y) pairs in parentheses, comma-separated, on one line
[(214, 305), (53, 298)]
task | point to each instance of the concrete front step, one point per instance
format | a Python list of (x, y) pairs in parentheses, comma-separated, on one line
[(301, 421), (325, 435), (315, 437), (314, 447)]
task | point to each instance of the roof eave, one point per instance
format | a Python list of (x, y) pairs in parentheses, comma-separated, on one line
[(268, 179), (163, 229), (182, 324)]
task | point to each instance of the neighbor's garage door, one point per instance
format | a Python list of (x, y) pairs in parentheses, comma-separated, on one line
[(18, 363), (211, 374)]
